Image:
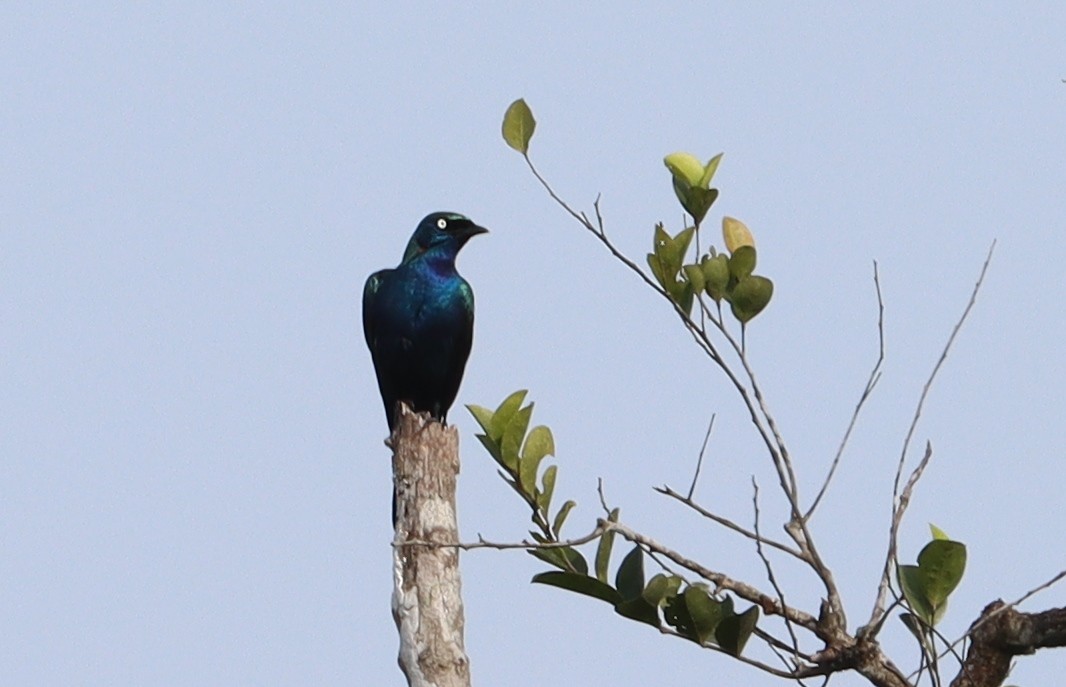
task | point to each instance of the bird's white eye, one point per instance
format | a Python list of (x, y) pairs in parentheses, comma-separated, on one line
[(441, 223)]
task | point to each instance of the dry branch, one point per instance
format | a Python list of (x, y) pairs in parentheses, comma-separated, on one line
[(427, 603)]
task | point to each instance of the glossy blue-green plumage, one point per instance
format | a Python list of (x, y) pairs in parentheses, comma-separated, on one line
[(419, 319)]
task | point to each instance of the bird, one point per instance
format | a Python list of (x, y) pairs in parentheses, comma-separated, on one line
[(418, 319)]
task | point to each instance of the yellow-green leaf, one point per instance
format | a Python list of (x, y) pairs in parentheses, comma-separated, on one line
[(518, 126), (736, 234), (709, 170), (506, 410), (685, 167), (482, 415), (937, 532)]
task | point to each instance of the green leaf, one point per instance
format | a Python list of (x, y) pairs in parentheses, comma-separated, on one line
[(674, 254), (482, 415), (926, 586), (912, 583), (660, 240), (603, 550), (640, 610), (665, 263), (676, 613), (657, 269), (492, 447), (582, 584), (566, 558), (750, 296), (694, 275), (538, 444), (733, 632), (742, 262), (660, 588), (942, 563), (544, 497), (716, 275), (560, 517), (512, 439), (919, 629), (696, 201), (629, 580), (518, 126), (681, 293), (709, 170), (502, 417), (938, 533), (706, 612)]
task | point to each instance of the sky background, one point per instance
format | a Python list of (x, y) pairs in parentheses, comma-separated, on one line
[(193, 485)]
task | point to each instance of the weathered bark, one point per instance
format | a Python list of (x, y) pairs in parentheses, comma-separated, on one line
[(426, 601), (1002, 633)]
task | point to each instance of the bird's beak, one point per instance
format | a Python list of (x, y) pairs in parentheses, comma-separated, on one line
[(469, 231)]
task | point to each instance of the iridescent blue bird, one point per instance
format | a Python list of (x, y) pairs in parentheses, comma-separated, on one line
[(419, 319)]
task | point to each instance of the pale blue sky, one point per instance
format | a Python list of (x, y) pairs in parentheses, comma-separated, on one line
[(193, 488)]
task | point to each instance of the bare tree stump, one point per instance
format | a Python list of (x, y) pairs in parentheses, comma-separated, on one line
[(427, 601)]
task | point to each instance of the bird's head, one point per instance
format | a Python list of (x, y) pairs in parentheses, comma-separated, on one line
[(447, 231)]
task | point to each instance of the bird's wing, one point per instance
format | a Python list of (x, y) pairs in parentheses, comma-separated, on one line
[(460, 351), (370, 291)]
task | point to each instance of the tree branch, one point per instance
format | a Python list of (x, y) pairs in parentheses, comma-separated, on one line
[(1000, 634), (729, 524), (427, 603), (875, 376), (899, 504)]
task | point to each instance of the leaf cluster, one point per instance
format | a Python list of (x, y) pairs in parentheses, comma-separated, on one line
[(692, 610), (719, 276), (519, 452)]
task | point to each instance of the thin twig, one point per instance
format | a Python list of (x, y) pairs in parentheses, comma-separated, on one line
[(898, 502), (777, 644), (891, 559), (603, 498), (777, 672), (875, 376), (1034, 591), (729, 524), (769, 568), (777, 450), (483, 543), (1014, 604), (699, 461)]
